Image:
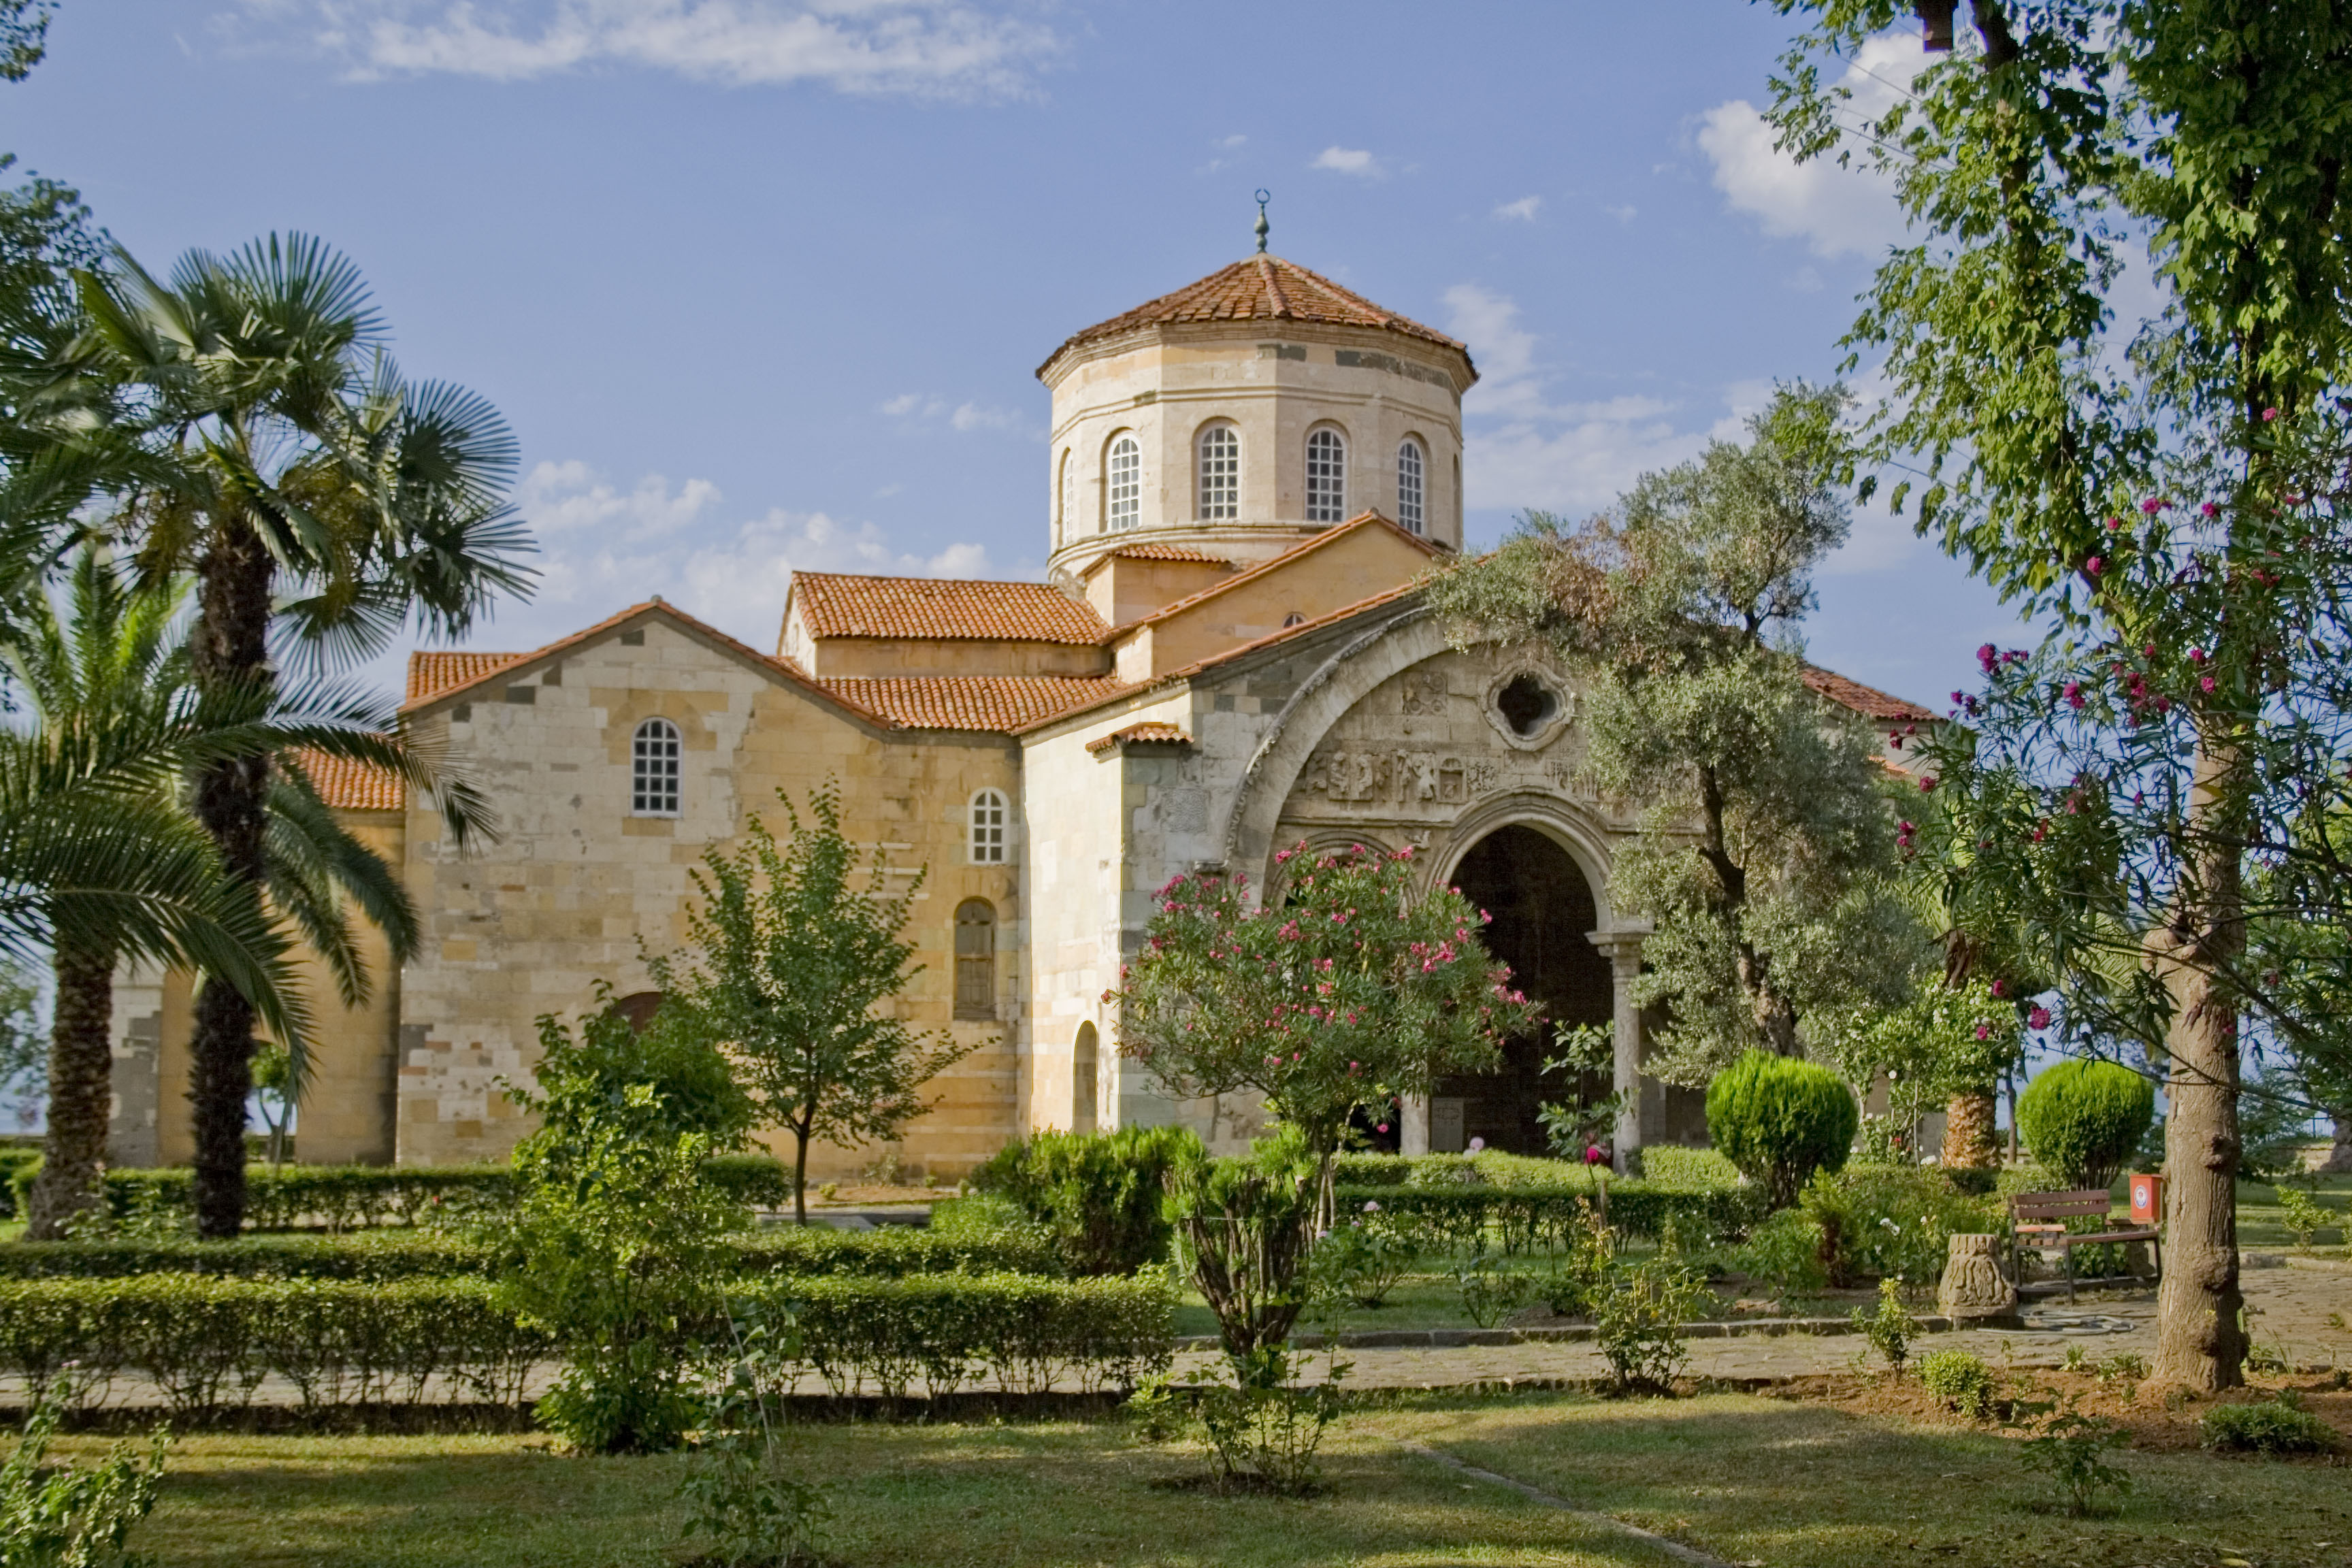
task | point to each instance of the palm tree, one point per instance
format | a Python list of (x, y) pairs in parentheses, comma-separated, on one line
[(288, 457), (119, 663)]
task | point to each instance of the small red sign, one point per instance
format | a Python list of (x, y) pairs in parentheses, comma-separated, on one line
[(2147, 1199)]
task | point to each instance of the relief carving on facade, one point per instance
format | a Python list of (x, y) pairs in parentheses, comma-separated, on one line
[(1422, 691), (1391, 776)]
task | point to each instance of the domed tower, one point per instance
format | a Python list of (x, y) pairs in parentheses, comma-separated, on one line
[(1229, 420)]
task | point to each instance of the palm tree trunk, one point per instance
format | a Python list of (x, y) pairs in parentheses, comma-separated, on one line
[(231, 643), (1970, 1140), (2200, 1339), (81, 1094)]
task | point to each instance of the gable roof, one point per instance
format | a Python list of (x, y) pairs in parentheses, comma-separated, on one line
[(1290, 557), (1260, 289), (995, 702), (836, 604), (1866, 701)]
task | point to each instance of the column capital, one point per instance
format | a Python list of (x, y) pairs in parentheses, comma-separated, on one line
[(1622, 943)]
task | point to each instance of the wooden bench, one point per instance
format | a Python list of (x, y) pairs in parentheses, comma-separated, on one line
[(2039, 1219)]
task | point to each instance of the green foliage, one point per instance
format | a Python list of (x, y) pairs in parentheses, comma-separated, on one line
[(2070, 1448), (1579, 1267), (794, 952), (1364, 1255), (2269, 1427), (1893, 1222), (1101, 1194), (24, 1039), (594, 1079), (1640, 1318), (744, 1493), (70, 1516), (1779, 1120), (1491, 1290), (1891, 1327), (1245, 1227), (1786, 1251), (1526, 1219), (1945, 1041), (1353, 987), (1670, 1167), (1263, 1426), (1961, 1381), (2303, 1216), (2082, 1119)]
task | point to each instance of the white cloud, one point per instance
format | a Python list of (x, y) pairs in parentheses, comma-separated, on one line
[(1524, 209), (972, 417), (564, 497), (906, 403), (947, 47), (1353, 161), (1623, 213), (1230, 143), (963, 417), (1836, 211)]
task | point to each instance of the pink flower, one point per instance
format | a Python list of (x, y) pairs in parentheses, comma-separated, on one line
[(2114, 523), (2039, 1018), (1984, 1031), (2152, 506), (2074, 694), (1476, 1144), (2269, 415), (1985, 658), (1385, 1126), (1593, 1155), (2209, 510), (1926, 784), (2094, 566), (1372, 1206), (2205, 683)]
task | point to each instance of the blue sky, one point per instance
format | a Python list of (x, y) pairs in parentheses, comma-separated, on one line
[(763, 283)]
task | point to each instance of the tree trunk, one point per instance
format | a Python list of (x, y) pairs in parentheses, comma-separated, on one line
[(800, 1176), (81, 1095), (231, 645), (2339, 1157), (1971, 1139), (2201, 1335)]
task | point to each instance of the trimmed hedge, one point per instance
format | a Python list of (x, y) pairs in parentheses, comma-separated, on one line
[(207, 1342), (1665, 1165), (1532, 1217), (2084, 1119), (889, 1252), (364, 1197)]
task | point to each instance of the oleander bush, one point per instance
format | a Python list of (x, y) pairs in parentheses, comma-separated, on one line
[(1101, 1194), (207, 1342), (1779, 1120), (2083, 1120)]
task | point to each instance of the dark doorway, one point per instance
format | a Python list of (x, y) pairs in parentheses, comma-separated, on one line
[(1542, 908)]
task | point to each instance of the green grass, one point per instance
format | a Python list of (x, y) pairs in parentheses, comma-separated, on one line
[(2259, 1216), (1745, 1478)]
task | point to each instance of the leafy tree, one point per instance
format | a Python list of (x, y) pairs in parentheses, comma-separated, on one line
[(1352, 989), (1764, 844), (284, 460), (24, 1044), (2159, 489), (791, 959), (1947, 1043)]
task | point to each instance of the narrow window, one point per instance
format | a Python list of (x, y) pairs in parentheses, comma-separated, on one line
[(975, 959), (1221, 474), (1123, 482), (1065, 493), (653, 769), (1409, 489), (1086, 1086), (1327, 483), (988, 828)]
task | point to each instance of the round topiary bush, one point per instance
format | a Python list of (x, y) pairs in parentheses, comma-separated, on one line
[(1779, 1120), (2084, 1119)]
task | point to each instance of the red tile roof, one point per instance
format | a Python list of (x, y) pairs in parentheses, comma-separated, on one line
[(834, 604), (1159, 553), (1000, 703), (1866, 701), (1154, 733), (347, 785), (1361, 521), (1259, 289), (430, 674)]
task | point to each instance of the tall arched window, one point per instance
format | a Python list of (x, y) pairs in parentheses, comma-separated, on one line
[(1065, 495), (1123, 485), (1085, 1079), (1412, 489), (988, 815), (1220, 469), (654, 753), (975, 959), (1327, 477)]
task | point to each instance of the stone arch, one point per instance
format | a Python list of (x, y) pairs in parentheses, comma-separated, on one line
[(1563, 822), (1344, 679)]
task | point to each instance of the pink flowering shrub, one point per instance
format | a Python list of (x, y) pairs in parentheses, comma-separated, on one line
[(1357, 987)]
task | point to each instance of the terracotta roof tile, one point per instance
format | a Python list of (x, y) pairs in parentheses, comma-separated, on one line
[(347, 785), (1866, 701), (967, 701), (1362, 520), (1149, 734), (834, 604), (1260, 289), (430, 674), (1160, 552)]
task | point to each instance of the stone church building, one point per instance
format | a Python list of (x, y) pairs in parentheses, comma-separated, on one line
[(1246, 478)]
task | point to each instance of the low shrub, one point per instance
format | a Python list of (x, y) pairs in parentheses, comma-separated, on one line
[(1363, 1257), (1102, 1195), (1491, 1290), (2084, 1119), (2269, 1427), (1535, 1218), (15, 1162), (1371, 1170), (1779, 1120), (62, 1515), (1892, 1221), (1245, 1228), (1891, 1327), (1641, 1321), (1963, 1382), (1676, 1169), (1785, 1251)]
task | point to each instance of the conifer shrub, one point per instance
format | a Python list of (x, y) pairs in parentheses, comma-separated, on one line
[(1779, 1120), (1102, 1195), (2084, 1119)]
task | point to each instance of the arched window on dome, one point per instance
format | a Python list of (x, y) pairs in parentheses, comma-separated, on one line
[(989, 814), (1218, 465), (1412, 487), (1122, 485), (1327, 477), (655, 754), (1065, 495)]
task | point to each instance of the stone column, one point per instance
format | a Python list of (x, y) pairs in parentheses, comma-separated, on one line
[(1412, 1124), (1624, 948)]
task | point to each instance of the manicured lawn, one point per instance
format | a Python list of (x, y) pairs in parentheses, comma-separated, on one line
[(1749, 1479), (2259, 1215)]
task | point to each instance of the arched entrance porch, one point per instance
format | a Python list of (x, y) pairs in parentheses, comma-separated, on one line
[(1543, 907)]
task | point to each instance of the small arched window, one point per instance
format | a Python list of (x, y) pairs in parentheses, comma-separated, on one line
[(1123, 485), (1327, 477), (1086, 1082), (975, 959), (1065, 495), (1412, 487), (1220, 464), (988, 824), (654, 755)]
